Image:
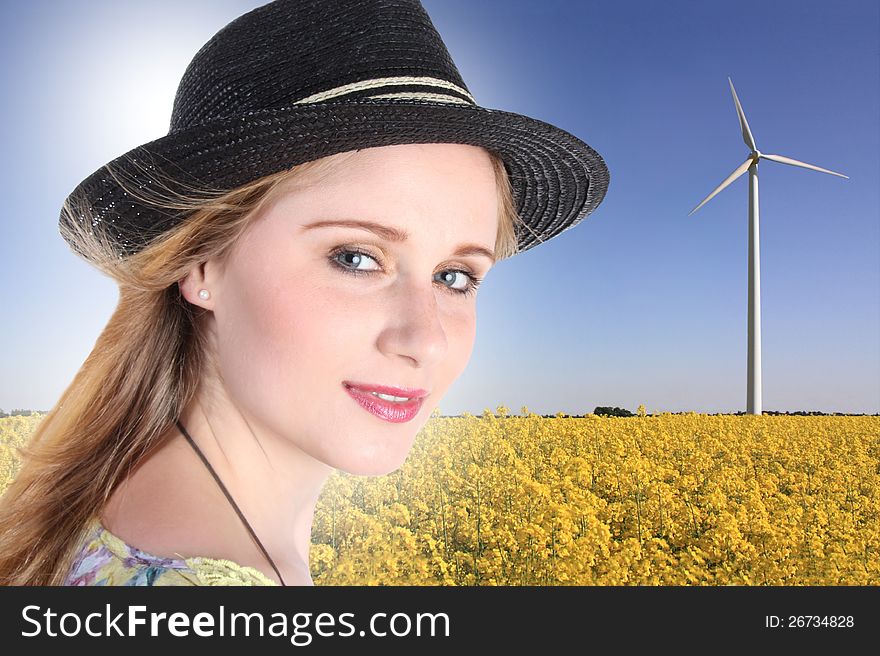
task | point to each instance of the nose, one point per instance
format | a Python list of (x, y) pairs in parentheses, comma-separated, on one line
[(414, 328)]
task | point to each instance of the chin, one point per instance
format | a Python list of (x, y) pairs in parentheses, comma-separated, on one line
[(370, 471), (377, 451), (375, 464)]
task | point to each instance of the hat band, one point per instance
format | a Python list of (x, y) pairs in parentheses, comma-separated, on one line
[(383, 83)]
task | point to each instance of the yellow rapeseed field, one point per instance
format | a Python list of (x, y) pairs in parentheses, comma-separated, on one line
[(660, 500), (686, 499)]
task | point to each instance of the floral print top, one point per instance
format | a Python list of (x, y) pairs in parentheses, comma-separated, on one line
[(104, 559)]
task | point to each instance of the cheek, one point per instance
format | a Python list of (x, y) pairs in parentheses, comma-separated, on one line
[(460, 327), (261, 331), (284, 337), (465, 329), (283, 330)]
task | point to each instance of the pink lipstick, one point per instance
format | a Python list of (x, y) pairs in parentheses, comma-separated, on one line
[(389, 410)]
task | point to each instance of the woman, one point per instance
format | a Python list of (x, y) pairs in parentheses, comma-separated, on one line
[(297, 262)]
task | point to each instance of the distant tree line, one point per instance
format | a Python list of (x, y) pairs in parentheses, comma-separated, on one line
[(18, 412), (607, 411), (604, 411), (622, 412)]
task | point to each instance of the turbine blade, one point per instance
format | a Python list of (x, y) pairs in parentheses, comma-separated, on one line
[(794, 162), (743, 123), (742, 168)]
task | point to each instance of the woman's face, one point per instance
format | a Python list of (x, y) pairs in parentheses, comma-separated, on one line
[(300, 309)]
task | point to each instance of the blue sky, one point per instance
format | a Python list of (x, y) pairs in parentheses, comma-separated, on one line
[(639, 304)]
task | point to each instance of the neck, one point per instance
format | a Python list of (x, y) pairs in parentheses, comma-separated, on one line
[(274, 484)]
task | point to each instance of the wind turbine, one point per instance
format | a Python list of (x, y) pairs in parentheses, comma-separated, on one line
[(753, 394)]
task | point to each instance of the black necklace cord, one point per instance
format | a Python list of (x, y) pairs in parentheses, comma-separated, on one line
[(231, 500)]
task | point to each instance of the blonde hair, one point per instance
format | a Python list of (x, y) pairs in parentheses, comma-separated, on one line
[(143, 369)]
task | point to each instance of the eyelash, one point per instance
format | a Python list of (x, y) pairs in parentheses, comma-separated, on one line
[(473, 281)]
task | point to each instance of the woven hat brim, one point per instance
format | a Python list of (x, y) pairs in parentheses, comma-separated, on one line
[(556, 179)]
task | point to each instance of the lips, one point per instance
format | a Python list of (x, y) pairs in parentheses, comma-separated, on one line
[(408, 392), (392, 411)]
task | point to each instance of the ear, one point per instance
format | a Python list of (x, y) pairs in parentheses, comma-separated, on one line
[(195, 281)]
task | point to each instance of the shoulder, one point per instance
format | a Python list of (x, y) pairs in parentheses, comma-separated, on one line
[(216, 571), (163, 510), (104, 559)]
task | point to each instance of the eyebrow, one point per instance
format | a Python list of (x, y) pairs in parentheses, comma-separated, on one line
[(390, 233)]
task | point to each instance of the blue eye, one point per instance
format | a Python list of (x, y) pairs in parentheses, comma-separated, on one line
[(354, 258), (450, 275), (357, 258)]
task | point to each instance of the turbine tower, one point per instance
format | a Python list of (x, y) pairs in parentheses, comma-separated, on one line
[(753, 393)]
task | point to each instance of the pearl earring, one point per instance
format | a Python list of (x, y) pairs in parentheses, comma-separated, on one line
[(204, 294)]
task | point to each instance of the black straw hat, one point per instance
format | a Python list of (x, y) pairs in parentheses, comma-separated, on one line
[(296, 80)]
